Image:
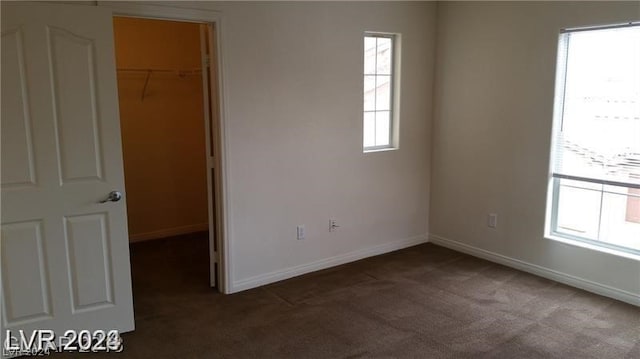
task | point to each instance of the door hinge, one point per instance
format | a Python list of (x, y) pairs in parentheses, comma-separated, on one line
[(207, 61)]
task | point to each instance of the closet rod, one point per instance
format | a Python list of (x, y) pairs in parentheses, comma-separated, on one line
[(180, 73)]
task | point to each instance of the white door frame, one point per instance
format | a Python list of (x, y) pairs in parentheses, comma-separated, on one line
[(213, 18)]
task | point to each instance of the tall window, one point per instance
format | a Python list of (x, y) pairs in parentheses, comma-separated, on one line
[(379, 58), (595, 169)]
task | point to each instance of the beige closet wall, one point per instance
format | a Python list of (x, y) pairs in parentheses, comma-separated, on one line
[(163, 133)]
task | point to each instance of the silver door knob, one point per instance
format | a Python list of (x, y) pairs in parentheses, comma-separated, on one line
[(114, 196)]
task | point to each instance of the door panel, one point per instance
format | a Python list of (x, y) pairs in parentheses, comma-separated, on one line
[(72, 70), (17, 163), (65, 255), (25, 282), (89, 261)]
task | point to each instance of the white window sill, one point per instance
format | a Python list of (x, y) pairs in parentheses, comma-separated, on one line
[(385, 149), (578, 243)]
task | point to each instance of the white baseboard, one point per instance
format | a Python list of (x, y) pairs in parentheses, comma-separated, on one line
[(564, 278), (290, 272), (168, 232)]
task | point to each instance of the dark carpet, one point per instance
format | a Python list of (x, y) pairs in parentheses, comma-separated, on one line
[(423, 302)]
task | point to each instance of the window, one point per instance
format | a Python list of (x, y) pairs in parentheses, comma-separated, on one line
[(595, 163), (379, 94)]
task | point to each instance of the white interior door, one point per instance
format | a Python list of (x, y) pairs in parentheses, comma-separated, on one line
[(65, 256)]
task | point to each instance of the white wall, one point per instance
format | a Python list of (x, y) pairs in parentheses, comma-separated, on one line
[(293, 92), (491, 134)]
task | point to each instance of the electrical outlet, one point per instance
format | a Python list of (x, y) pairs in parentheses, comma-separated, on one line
[(300, 231), (333, 225), (492, 220)]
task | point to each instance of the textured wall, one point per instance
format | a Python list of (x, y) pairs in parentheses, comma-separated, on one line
[(492, 129), (293, 100)]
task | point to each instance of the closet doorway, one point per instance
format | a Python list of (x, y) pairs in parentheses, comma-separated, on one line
[(167, 93)]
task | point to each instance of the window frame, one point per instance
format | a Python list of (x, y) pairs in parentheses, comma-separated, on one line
[(553, 193), (393, 92)]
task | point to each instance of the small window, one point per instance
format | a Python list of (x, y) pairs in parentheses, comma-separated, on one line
[(379, 91), (595, 162)]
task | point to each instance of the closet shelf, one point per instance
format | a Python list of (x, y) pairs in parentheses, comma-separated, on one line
[(175, 71), (180, 73)]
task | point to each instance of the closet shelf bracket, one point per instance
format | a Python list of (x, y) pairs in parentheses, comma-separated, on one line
[(146, 83)]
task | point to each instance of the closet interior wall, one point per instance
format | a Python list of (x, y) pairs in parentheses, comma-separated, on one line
[(161, 114)]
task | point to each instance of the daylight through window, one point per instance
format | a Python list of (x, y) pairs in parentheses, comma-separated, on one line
[(595, 170), (378, 91)]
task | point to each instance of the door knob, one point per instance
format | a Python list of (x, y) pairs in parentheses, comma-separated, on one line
[(114, 196)]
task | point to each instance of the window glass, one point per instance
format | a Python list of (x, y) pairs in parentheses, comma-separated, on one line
[(596, 156), (378, 91)]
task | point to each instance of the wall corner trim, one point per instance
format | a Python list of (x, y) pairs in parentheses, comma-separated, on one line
[(560, 277), (286, 273)]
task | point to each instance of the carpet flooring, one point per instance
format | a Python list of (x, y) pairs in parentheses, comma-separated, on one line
[(422, 302)]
